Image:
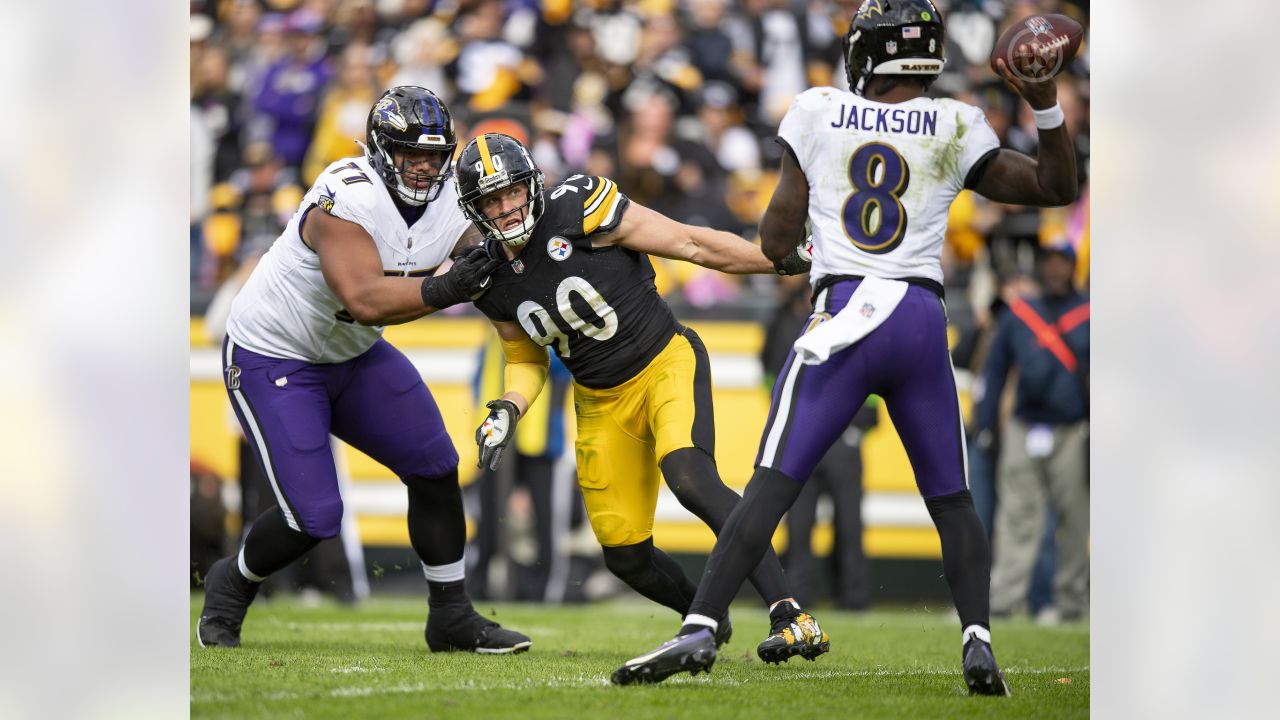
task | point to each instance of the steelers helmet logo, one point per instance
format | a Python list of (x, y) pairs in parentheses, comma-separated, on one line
[(559, 249)]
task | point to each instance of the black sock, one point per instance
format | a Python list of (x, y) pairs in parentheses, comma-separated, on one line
[(437, 524), (692, 476), (966, 556), (270, 545), (442, 594), (744, 540), (652, 573)]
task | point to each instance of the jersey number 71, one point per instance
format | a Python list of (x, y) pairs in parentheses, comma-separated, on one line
[(873, 216)]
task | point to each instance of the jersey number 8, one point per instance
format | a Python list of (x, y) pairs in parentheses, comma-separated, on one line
[(550, 332), (873, 216)]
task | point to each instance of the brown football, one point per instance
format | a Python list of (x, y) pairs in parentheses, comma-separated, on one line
[(1039, 46)]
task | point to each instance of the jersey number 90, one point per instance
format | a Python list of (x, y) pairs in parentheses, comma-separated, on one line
[(873, 216), (549, 331)]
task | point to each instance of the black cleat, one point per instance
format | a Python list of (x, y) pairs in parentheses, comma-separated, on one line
[(227, 596), (981, 673), (469, 631), (724, 631), (695, 652), (792, 633)]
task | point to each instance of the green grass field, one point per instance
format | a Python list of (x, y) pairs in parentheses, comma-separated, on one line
[(371, 662)]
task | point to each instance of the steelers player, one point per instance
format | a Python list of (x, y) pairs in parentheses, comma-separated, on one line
[(577, 277)]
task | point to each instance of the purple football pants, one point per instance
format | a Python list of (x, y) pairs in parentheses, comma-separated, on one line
[(906, 362), (376, 402)]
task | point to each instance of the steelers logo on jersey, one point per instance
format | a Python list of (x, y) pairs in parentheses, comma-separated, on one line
[(559, 249)]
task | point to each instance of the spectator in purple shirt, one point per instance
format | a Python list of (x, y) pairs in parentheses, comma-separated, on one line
[(289, 95)]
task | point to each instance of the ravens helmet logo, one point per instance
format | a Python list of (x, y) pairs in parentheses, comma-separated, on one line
[(387, 112)]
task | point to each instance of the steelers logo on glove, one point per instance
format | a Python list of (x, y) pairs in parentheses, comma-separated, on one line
[(496, 432)]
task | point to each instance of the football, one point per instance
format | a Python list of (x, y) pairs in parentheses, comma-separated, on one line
[(1038, 47)]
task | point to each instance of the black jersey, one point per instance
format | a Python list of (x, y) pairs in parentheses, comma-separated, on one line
[(597, 307)]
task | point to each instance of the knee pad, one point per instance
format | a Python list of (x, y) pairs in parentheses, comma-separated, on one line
[(321, 522), (627, 561)]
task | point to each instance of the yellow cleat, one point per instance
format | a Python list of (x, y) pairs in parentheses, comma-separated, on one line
[(793, 633)]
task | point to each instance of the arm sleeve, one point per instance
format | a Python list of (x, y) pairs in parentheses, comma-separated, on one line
[(526, 369)]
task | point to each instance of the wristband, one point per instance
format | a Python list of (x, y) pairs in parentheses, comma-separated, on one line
[(1050, 118)]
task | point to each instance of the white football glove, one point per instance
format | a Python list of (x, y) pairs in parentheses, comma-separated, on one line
[(496, 431)]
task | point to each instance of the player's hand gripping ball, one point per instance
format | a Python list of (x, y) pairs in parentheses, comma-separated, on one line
[(1039, 47)]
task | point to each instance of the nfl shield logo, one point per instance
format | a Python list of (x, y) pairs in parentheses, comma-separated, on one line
[(867, 310), (559, 249), (891, 47), (1039, 25)]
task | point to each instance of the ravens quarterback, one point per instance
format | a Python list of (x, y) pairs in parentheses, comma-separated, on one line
[(576, 276)]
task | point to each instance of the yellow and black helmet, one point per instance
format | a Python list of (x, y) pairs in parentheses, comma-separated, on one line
[(489, 163)]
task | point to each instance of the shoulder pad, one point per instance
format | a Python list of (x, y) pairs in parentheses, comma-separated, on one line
[(585, 204), (345, 190)]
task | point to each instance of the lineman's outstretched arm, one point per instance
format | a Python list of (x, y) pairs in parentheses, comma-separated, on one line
[(353, 270)]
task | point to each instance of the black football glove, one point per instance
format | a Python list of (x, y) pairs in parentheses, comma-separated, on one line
[(496, 431), (466, 280), (798, 261)]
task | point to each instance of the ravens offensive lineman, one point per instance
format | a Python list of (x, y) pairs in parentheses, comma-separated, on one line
[(576, 276), (874, 171), (304, 357)]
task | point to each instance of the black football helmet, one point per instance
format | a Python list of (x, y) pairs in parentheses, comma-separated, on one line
[(894, 37), (410, 119), (494, 161)]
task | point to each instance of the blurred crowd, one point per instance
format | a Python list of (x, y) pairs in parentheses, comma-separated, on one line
[(675, 99)]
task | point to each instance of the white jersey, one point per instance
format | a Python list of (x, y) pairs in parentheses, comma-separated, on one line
[(287, 310), (882, 177)]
